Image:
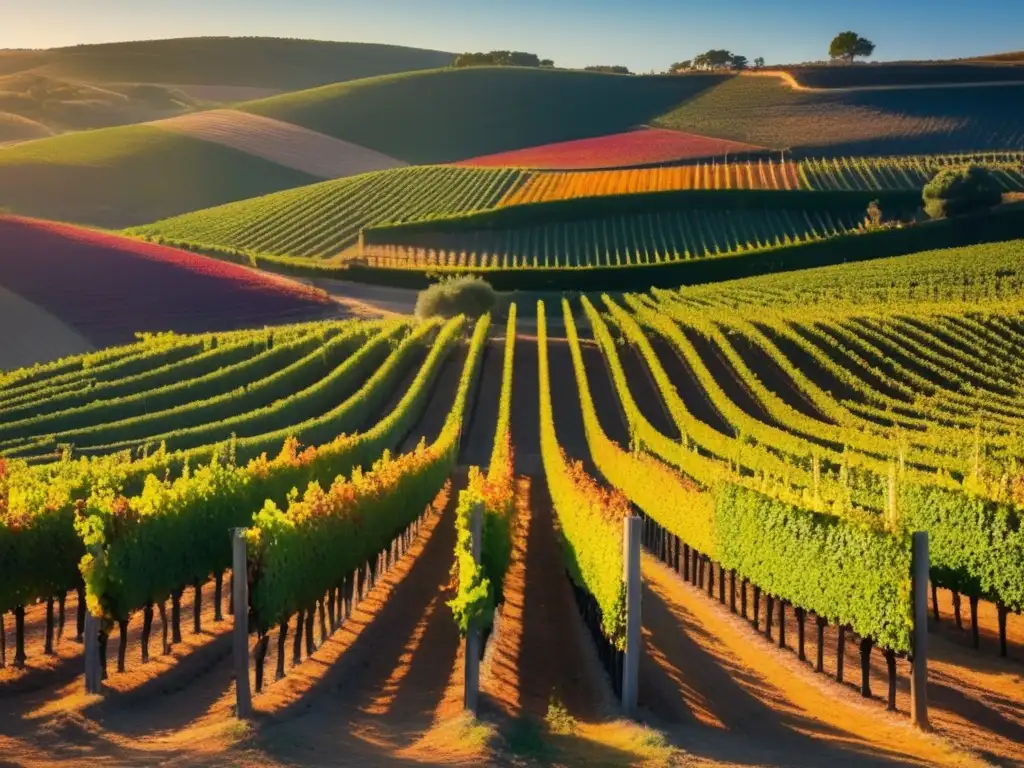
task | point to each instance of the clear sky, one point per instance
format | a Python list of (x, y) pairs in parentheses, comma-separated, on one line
[(641, 34)]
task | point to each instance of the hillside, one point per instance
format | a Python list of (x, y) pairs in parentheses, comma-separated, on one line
[(102, 286), (59, 105), (250, 61), (905, 73), (768, 112), (447, 115), (117, 177)]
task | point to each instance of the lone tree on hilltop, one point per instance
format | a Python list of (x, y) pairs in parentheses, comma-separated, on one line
[(960, 191), (719, 59), (849, 45)]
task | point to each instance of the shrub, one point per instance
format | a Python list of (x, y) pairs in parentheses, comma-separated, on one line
[(959, 191), (470, 296)]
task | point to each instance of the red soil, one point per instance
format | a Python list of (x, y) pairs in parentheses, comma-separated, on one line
[(641, 147), (108, 287)]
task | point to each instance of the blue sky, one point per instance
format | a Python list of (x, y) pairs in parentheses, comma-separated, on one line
[(642, 34)]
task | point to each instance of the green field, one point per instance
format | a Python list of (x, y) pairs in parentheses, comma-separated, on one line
[(452, 114), (119, 177), (767, 112), (259, 62)]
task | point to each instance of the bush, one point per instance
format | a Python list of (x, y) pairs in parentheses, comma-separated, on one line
[(959, 191), (470, 296)]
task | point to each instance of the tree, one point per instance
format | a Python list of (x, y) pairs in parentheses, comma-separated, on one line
[(680, 66), (738, 62), (714, 59), (501, 59), (849, 45), (759, 62), (960, 191), (547, 63), (614, 69)]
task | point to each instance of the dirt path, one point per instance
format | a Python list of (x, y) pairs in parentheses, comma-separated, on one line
[(439, 403), (793, 83), (988, 628), (726, 696), (482, 419), (374, 691), (40, 336), (283, 143)]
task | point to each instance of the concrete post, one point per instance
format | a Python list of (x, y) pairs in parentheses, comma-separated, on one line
[(472, 645), (919, 641), (240, 649), (631, 575)]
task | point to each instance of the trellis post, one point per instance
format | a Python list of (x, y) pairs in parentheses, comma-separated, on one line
[(472, 644), (240, 603), (631, 575)]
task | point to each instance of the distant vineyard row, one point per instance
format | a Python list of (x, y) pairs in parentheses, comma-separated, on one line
[(323, 221)]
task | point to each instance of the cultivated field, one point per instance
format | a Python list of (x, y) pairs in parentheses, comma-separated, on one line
[(768, 112), (747, 421), (100, 285), (282, 143), (323, 220), (906, 74), (195, 441), (648, 146), (465, 113)]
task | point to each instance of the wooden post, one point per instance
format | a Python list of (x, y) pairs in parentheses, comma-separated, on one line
[(472, 646), (1002, 612), (919, 639), (975, 638), (240, 603), (91, 634), (631, 575)]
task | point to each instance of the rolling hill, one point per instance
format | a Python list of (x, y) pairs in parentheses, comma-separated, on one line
[(447, 115), (102, 286), (118, 177), (768, 112), (57, 106), (894, 74), (251, 61)]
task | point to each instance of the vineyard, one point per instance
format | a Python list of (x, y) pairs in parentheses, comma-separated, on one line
[(780, 437), (324, 221), (626, 240), (820, 174)]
